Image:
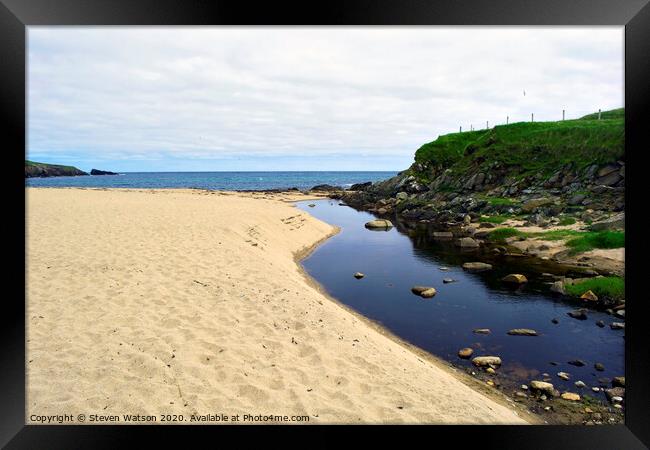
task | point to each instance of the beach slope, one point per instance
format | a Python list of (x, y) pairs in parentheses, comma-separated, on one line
[(191, 302)]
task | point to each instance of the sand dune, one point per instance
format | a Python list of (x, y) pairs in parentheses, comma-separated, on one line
[(190, 302)]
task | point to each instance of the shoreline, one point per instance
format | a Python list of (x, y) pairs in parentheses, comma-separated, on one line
[(379, 380)]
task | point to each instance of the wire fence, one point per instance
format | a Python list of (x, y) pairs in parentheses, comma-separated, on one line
[(532, 119)]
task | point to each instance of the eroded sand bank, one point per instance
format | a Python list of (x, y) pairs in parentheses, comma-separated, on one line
[(190, 302)]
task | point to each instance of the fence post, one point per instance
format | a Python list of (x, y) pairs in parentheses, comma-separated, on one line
[(507, 119), (461, 129), (532, 117), (562, 114), (598, 113), (487, 126)]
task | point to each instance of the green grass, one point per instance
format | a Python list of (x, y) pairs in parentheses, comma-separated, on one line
[(567, 221), (603, 287), (530, 148), (611, 114), (577, 241), (501, 201), (601, 239), (501, 234), (494, 219)]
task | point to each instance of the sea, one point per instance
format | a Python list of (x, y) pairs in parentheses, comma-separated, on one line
[(230, 181)]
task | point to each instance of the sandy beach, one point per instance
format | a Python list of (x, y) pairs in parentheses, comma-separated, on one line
[(193, 302)]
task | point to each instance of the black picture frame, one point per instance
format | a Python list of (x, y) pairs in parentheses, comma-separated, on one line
[(16, 15)]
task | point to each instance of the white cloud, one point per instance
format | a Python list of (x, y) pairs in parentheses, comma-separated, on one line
[(122, 94)]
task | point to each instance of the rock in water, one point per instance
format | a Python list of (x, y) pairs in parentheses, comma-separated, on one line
[(102, 172), (564, 375), (615, 392), (311, 205), (467, 242), (522, 332), (542, 386), (515, 278), (579, 314), (618, 382), (477, 266), (465, 353), (600, 323), (589, 296), (379, 223), (443, 235), (448, 280), (487, 361), (617, 325), (424, 291), (482, 331), (558, 287), (599, 367), (358, 275), (580, 384), (571, 396), (577, 363)]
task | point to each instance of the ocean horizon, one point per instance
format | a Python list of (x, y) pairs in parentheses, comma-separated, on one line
[(227, 180)]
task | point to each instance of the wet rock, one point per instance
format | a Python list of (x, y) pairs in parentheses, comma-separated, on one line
[(361, 186), (577, 363), (424, 291), (522, 332), (579, 314), (482, 331), (326, 188), (515, 278), (599, 367), (379, 223), (580, 384), (600, 323), (555, 321), (542, 386), (618, 382), (617, 325), (477, 266), (358, 275), (465, 353), (615, 392), (487, 361), (571, 396), (564, 375), (448, 280), (443, 235), (467, 242), (311, 205), (558, 287), (589, 296)]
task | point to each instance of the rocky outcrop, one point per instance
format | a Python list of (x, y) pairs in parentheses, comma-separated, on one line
[(102, 172), (35, 169)]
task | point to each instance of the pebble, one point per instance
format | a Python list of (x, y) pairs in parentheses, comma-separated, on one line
[(580, 384), (618, 406), (595, 389), (490, 370), (554, 320), (599, 367), (482, 331), (358, 275), (465, 353), (524, 387), (617, 399), (617, 325), (600, 323), (564, 375), (571, 396), (448, 280)]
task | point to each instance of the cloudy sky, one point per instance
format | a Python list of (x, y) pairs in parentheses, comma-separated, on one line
[(275, 98)]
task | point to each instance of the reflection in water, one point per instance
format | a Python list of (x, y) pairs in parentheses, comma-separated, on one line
[(395, 260)]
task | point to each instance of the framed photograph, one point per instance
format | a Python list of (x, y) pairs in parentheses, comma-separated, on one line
[(352, 213)]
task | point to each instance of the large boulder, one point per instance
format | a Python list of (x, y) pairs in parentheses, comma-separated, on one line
[(102, 172), (487, 361), (535, 203), (616, 222), (467, 242), (522, 332), (477, 266), (542, 386), (515, 278), (361, 186), (379, 224), (424, 291)]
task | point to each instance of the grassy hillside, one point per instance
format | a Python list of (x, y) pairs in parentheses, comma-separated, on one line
[(527, 148), (36, 169)]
